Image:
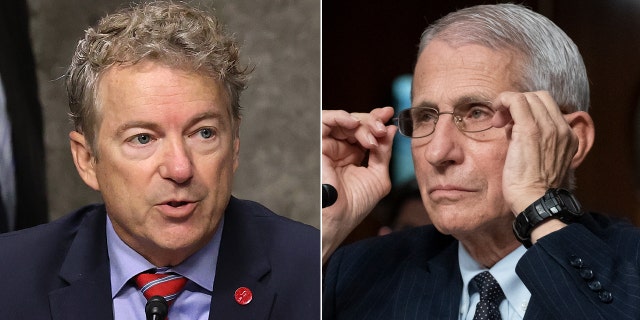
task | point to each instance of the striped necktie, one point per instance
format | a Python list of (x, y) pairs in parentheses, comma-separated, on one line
[(167, 285)]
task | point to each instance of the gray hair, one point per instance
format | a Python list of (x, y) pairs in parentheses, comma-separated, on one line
[(173, 34), (551, 61)]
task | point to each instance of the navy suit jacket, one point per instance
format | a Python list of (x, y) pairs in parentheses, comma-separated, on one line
[(415, 275), (60, 270)]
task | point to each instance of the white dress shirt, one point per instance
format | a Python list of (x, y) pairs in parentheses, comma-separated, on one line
[(517, 294)]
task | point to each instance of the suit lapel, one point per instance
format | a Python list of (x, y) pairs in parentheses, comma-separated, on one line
[(86, 270), (535, 310), (440, 298), (429, 284), (242, 262)]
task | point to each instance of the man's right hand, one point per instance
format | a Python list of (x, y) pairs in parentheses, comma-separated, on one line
[(356, 150)]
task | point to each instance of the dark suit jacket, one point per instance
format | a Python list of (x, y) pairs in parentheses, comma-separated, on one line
[(415, 275), (18, 75), (60, 270)]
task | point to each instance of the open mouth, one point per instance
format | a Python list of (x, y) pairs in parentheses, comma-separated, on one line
[(177, 204)]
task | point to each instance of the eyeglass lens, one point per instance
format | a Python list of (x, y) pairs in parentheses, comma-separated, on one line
[(420, 122)]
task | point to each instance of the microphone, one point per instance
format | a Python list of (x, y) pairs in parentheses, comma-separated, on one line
[(329, 195), (156, 308)]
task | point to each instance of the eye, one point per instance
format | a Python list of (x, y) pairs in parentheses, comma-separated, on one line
[(478, 112), (206, 133), (142, 138), (421, 115)]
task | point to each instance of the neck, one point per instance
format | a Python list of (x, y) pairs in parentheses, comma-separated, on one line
[(489, 255), (487, 247)]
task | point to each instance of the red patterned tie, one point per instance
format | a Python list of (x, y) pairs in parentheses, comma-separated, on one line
[(167, 285)]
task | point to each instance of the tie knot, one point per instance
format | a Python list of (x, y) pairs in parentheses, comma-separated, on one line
[(490, 297), (488, 287), (167, 285)]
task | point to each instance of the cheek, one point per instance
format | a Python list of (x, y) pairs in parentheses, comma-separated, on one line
[(419, 163), (122, 180), (490, 160), (217, 169)]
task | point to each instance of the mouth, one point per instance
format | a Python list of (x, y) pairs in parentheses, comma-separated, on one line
[(448, 192), (176, 204), (177, 208), (448, 188)]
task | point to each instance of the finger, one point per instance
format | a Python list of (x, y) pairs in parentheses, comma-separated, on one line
[(380, 157), (517, 106), (372, 126), (555, 112), (375, 120), (341, 152), (546, 111), (337, 120), (344, 126), (557, 119)]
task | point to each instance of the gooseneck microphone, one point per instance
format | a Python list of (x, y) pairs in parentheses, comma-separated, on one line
[(329, 195), (156, 308)]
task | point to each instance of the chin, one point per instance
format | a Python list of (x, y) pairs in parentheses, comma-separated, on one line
[(453, 222), (176, 239)]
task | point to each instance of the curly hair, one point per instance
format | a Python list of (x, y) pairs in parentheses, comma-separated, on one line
[(173, 34)]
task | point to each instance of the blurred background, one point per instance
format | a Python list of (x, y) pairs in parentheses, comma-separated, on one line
[(279, 158), (369, 48)]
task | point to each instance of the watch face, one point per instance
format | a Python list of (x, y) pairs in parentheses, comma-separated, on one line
[(571, 204)]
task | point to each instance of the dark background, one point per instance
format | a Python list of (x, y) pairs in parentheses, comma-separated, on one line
[(366, 44)]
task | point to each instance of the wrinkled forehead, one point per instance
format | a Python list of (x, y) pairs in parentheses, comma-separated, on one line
[(149, 73), (447, 73)]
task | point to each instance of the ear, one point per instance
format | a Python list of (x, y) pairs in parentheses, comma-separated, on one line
[(83, 159), (582, 125), (236, 145)]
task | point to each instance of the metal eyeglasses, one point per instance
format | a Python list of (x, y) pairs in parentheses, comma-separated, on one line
[(419, 122)]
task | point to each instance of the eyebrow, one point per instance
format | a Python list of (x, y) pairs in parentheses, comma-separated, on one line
[(466, 99), (155, 127), (206, 116)]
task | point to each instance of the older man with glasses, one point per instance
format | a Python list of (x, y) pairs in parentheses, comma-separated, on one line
[(498, 124)]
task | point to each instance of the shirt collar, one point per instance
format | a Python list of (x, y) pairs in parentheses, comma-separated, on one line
[(514, 289), (125, 263)]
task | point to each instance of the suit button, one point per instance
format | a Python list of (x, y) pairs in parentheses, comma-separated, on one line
[(576, 262), (605, 296), (586, 273), (595, 285)]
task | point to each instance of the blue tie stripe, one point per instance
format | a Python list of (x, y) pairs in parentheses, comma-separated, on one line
[(155, 282), (171, 296)]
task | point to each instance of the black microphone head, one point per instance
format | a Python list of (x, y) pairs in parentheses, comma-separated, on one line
[(329, 195), (156, 308)]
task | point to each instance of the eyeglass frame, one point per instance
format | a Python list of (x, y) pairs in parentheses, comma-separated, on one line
[(457, 119)]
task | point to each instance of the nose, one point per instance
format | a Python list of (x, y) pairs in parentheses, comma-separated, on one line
[(442, 148), (176, 161)]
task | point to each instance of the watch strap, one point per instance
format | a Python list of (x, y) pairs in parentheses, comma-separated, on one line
[(555, 203)]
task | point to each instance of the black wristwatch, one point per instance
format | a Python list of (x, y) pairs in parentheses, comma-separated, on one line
[(556, 203)]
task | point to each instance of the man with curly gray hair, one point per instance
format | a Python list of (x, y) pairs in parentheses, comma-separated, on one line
[(154, 95)]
